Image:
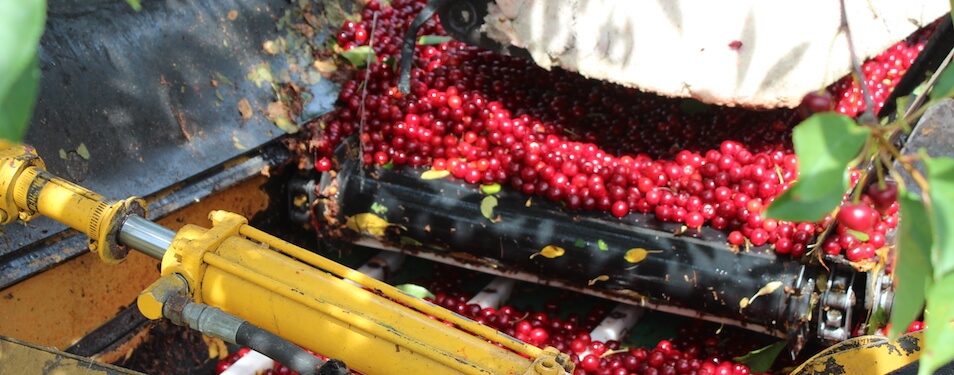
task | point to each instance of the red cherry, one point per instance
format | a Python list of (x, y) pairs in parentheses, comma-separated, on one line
[(620, 208), (857, 217), (815, 102), (590, 363), (883, 198)]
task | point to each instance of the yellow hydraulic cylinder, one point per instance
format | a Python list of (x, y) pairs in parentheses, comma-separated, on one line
[(29, 190), (320, 311)]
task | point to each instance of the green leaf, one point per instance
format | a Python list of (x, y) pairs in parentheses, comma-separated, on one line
[(825, 143), (877, 321), (16, 104), (939, 333), (134, 4), (359, 56), (433, 39), (491, 189), (760, 360), (487, 207), (378, 208), (21, 25), (415, 290), (861, 236), (408, 241), (944, 87), (600, 244), (913, 267), (940, 178), (579, 243)]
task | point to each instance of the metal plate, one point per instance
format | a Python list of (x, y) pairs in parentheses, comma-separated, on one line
[(135, 89)]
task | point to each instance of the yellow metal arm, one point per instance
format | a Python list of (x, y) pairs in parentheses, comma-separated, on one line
[(287, 290)]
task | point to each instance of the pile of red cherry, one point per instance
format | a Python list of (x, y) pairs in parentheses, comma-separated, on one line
[(591, 145)]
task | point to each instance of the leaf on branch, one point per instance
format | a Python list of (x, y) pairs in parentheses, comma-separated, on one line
[(940, 333), (913, 268), (944, 86), (940, 178), (600, 244), (415, 290), (825, 143), (760, 360)]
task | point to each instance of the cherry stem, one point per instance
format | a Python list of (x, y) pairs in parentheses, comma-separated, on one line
[(611, 352), (868, 118), (364, 88), (905, 163)]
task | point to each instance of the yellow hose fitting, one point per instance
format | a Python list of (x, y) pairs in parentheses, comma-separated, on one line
[(153, 298), (14, 159)]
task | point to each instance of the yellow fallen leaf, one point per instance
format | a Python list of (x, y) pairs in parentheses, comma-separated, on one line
[(769, 288), (638, 254), (271, 47), (278, 114), (245, 109), (217, 347), (325, 66), (83, 151), (550, 251), (367, 223), (431, 174), (597, 279), (237, 143)]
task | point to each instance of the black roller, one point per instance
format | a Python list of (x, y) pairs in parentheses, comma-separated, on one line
[(694, 271)]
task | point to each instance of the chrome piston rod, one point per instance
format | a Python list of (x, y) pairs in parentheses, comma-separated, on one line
[(145, 236)]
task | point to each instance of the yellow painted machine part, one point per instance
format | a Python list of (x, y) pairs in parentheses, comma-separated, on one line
[(323, 313), (35, 190), (864, 355), (71, 312), (371, 283)]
